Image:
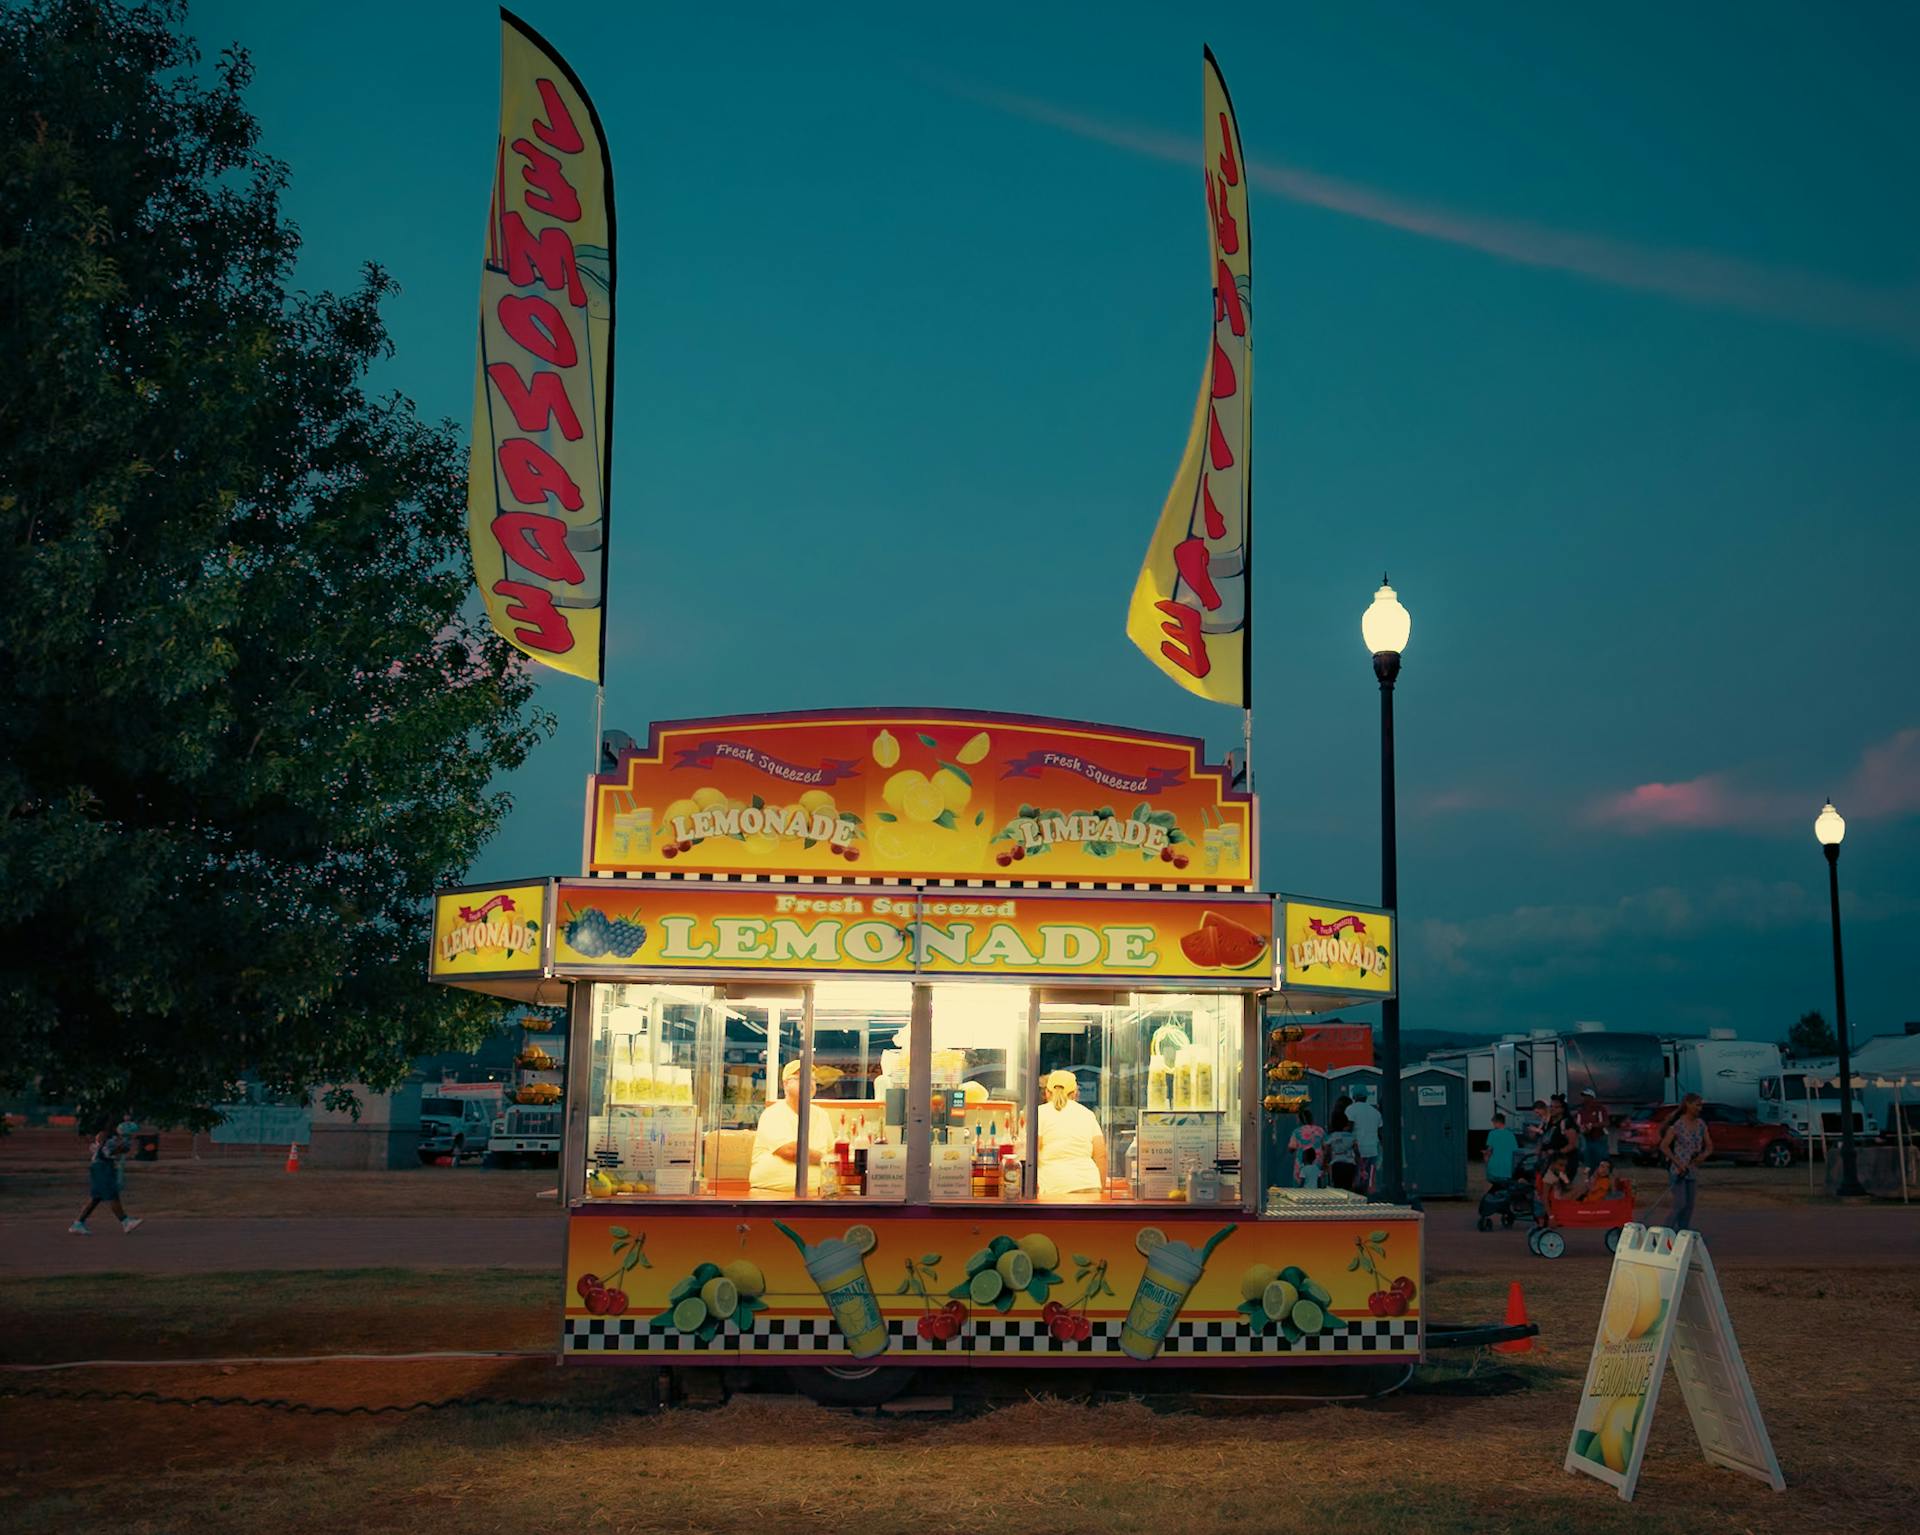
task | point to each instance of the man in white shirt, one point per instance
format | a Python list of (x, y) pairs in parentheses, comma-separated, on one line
[(1365, 1119), (776, 1142)]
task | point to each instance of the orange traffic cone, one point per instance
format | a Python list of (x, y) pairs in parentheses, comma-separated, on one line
[(1516, 1317), (293, 1156)]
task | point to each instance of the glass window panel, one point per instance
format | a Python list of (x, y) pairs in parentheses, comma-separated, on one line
[(980, 1091), (651, 1088), (860, 1030)]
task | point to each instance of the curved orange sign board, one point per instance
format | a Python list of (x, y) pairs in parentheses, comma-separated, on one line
[(899, 795)]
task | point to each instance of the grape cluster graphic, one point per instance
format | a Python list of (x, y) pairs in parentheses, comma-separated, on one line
[(594, 934)]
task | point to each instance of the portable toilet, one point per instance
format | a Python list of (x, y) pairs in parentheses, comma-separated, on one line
[(1322, 1089), (1433, 1131)]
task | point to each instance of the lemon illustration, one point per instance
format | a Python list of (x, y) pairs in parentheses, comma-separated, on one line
[(1623, 1305), (891, 843), (746, 1277), (860, 1238), (1616, 1432), (817, 802), (794, 812), (921, 802), (680, 809), (1149, 1238), (1044, 1251), (719, 1296), (1279, 1299), (1648, 1311), (761, 842), (709, 798), (974, 750), (689, 1314), (954, 790), (896, 787), (1253, 1283), (985, 1287), (886, 750), (1016, 1268)]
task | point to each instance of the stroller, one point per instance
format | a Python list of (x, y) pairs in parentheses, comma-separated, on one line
[(1511, 1199)]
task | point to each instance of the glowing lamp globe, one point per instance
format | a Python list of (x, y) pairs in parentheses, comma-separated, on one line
[(1386, 625), (1828, 826)]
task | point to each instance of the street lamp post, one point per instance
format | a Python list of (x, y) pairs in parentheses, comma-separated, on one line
[(1829, 828), (1385, 627)]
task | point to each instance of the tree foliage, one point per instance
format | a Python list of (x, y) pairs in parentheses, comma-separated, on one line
[(246, 723), (1812, 1037)]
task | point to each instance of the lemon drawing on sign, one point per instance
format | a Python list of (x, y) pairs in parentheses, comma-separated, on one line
[(709, 798), (747, 1278), (1016, 1268), (954, 790), (886, 750), (679, 810), (974, 750), (892, 842), (1279, 1299), (817, 800), (720, 1296), (1615, 1438), (861, 1239), (1253, 1283), (896, 786), (1149, 1238), (1042, 1249)]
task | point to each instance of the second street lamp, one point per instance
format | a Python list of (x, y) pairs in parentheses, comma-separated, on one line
[(1386, 626), (1829, 828)]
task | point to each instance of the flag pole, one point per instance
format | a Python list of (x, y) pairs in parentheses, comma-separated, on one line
[(593, 777)]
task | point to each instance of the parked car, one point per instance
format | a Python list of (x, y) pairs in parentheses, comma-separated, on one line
[(1738, 1133)]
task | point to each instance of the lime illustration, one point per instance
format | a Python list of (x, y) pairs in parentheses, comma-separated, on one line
[(979, 1261), (1307, 1316), (1293, 1274), (705, 1271), (689, 1314), (1000, 1245), (861, 1238), (986, 1287), (682, 1289), (1149, 1238), (1315, 1293), (1016, 1268), (720, 1296)]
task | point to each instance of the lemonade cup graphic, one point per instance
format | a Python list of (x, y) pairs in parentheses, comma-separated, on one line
[(838, 1270), (1172, 1270)]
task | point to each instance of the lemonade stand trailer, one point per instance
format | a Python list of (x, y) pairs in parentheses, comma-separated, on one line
[(893, 992)]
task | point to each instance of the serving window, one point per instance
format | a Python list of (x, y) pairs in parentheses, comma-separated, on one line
[(890, 1091)]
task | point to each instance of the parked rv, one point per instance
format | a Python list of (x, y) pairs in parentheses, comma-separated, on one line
[(1622, 1069), (1720, 1068)]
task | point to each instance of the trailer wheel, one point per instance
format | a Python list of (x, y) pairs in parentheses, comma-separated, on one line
[(1614, 1233), (1550, 1244), (852, 1385)]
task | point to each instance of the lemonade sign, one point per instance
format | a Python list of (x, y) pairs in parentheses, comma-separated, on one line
[(487, 931), (1664, 1301), (943, 796), (1344, 949)]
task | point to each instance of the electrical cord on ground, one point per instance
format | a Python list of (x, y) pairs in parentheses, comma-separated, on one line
[(309, 1409)]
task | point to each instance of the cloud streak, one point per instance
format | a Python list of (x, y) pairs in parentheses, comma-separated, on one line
[(1884, 785), (1890, 316)]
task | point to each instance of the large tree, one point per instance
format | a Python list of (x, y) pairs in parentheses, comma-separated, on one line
[(247, 719), (1812, 1037)]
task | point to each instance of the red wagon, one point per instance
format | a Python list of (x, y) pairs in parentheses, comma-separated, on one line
[(1554, 1212)]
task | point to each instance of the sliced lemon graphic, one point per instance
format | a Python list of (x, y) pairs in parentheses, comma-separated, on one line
[(886, 750), (1016, 1268), (1279, 1299), (720, 1296), (896, 787), (974, 750), (921, 801), (860, 1238), (1149, 1237)]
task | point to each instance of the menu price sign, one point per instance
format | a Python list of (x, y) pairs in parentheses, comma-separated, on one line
[(887, 1172), (1168, 1144), (952, 1173), (656, 1141), (1664, 1302)]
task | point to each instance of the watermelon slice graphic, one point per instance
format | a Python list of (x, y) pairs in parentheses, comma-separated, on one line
[(1220, 943)]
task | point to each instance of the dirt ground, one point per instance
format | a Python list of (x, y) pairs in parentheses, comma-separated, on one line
[(1457, 1451)]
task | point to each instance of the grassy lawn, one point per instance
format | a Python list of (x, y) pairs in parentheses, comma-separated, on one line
[(185, 1188), (1429, 1459)]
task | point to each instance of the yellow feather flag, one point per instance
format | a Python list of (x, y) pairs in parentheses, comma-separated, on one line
[(1192, 608), (543, 395)]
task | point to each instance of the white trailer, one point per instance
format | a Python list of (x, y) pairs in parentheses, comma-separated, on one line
[(1720, 1068)]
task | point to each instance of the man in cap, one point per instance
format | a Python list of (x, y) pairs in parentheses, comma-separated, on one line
[(776, 1143)]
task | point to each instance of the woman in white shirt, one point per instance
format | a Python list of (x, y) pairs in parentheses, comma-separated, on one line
[(776, 1141), (1073, 1152)]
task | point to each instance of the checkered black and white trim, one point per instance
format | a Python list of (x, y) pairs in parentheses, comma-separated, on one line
[(999, 1336), (716, 877)]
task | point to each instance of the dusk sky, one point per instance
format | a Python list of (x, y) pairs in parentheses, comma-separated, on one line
[(1600, 332)]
